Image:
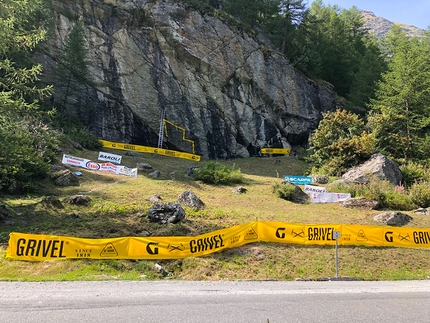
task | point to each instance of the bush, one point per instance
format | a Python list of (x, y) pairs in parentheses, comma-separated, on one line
[(384, 192), (284, 191), (420, 194), (214, 172), (414, 173), (26, 149), (341, 141)]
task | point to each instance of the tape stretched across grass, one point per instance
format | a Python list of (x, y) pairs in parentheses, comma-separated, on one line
[(149, 150), (33, 247)]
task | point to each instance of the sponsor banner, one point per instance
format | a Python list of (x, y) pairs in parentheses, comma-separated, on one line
[(298, 180), (110, 157), (149, 150), (280, 151), (102, 167), (329, 197), (35, 247), (309, 189)]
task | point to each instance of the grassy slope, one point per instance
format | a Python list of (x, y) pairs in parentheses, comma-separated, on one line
[(118, 204)]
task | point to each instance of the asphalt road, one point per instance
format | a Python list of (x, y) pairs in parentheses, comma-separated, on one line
[(238, 301)]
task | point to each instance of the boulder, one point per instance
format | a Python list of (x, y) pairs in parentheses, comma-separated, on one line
[(79, 200), (65, 178), (141, 166), (423, 211), (189, 199), (360, 203), (239, 190), (299, 196), (393, 218), (379, 166), (155, 199), (320, 179), (164, 213), (155, 174), (52, 201)]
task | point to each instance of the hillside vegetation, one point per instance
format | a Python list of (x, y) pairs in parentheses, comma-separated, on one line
[(119, 206)]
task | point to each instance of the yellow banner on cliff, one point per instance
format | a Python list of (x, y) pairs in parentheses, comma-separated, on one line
[(149, 150), (279, 151), (34, 247)]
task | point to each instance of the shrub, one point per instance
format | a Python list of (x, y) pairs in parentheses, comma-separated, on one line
[(414, 173), (24, 156), (420, 194), (341, 141), (214, 172), (284, 191), (384, 192)]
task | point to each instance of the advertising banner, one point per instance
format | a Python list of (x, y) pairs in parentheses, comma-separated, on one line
[(278, 151), (329, 197), (35, 247), (110, 157), (298, 180), (103, 167), (149, 150), (309, 189)]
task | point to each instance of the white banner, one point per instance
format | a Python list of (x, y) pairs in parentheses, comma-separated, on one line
[(104, 167), (110, 157), (309, 189), (329, 197)]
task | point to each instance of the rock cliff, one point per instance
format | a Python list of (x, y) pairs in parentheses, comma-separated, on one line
[(224, 94)]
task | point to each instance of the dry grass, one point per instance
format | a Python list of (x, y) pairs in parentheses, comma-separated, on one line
[(118, 204)]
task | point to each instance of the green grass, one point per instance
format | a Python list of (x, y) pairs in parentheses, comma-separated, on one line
[(119, 204)]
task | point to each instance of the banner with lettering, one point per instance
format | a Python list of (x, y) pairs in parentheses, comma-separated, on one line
[(110, 157), (309, 189), (34, 247), (329, 197), (276, 151), (149, 150), (102, 167)]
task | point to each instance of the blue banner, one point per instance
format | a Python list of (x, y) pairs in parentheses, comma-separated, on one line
[(298, 180)]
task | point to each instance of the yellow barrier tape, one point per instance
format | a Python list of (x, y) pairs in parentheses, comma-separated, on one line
[(150, 150), (34, 247), (285, 151)]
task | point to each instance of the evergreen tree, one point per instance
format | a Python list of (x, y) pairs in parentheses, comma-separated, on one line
[(23, 148), (73, 67), (253, 13), (371, 66), (401, 110)]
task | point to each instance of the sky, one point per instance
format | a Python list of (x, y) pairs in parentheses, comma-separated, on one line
[(410, 12)]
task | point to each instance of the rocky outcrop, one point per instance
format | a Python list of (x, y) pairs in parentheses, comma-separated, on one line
[(224, 94), (378, 166)]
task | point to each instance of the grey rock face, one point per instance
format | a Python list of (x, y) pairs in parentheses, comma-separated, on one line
[(393, 218), (164, 213), (379, 166), (219, 89)]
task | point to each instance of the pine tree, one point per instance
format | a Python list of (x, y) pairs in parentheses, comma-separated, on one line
[(73, 67), (22, 151), (401, 110)]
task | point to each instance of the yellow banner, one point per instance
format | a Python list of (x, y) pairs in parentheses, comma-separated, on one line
[(281, 151), (33, 247), (149, 150)]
